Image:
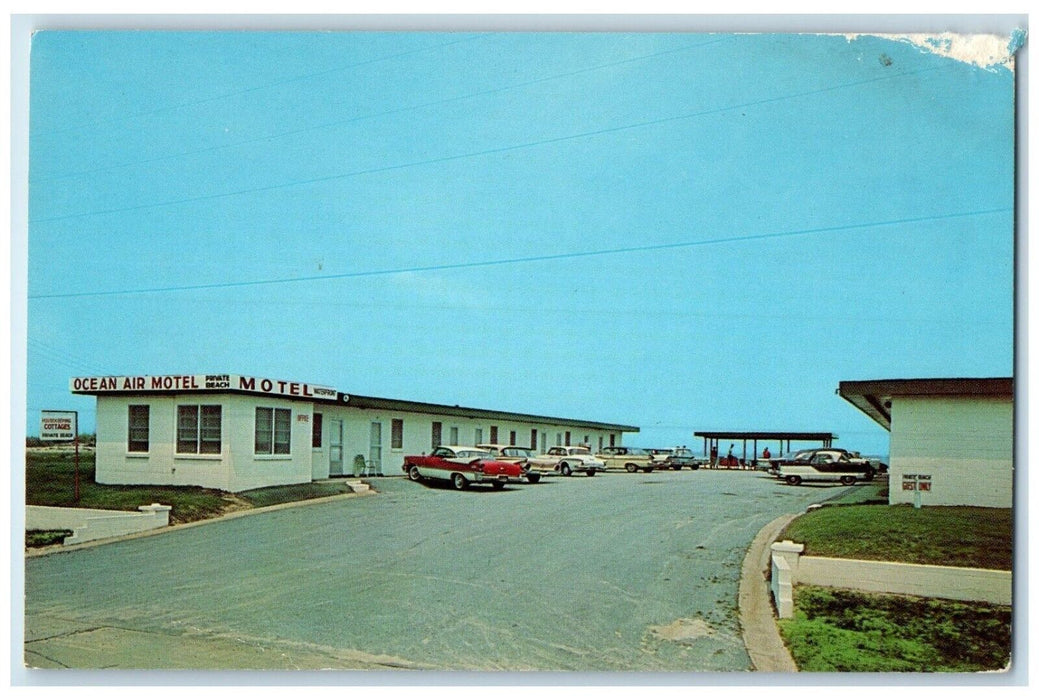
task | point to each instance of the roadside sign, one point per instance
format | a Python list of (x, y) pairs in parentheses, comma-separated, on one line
[(58, 425), (62, 426)]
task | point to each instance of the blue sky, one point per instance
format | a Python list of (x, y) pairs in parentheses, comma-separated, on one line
[(677, 231)]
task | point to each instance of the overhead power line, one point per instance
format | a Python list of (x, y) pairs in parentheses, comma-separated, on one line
[(365, 117), (535, 258), (255, 88), (471, 154)]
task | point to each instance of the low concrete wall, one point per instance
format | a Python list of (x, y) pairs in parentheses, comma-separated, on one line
[(91, 524), (952, 582)]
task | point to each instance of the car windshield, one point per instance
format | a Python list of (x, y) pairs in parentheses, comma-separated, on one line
[(517, 452), (579, 451)]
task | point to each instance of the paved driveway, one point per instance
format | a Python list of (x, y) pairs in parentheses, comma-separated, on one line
[(618, 572)]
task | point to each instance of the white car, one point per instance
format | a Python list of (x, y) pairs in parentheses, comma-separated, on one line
[(516, 454), (566, 460), (658, 457), (826, 465), (631, 459)]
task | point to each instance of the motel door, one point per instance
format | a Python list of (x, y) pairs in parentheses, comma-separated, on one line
[(375, 448), (335, 448)]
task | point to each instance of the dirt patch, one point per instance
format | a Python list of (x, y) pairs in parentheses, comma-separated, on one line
[(682, 631), (233, 504)]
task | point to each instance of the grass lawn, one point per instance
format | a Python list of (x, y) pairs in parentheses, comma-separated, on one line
[(45, 538), (273, 495), (49, 481), (838, 630), (944, 535), (868, 492)]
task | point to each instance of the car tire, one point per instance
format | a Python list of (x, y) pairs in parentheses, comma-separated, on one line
[(533, 478), (459, 482), (565, 469), (497, 485), (847, 480), (868, 476), (590, 472), (677, 467), (414, 474), (793, 480), (631, 468)]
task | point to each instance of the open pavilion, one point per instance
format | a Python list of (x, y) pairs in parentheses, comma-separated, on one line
[(713, 438)]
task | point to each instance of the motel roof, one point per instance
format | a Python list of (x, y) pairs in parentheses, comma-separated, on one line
[(464, 412), (759, 435), (873, 397)]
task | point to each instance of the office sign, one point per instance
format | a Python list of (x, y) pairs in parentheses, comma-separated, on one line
[(58, 425)]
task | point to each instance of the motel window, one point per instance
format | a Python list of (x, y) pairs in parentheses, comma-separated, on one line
[(559, 439), (512, 437), (494, 435), (438, 429), (533, 438), (273, 431), (567, 438), (397, 434), (479, 436), (198, 430), (587, 441), (613, 439), (315, 436), (454, 436), (137, 437)]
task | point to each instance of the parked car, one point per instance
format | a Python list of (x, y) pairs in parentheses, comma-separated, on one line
[(462, 466), (877, 464), (659, 455), (789, 458), (566, 460), (631, 459), (515, 454), (866, 463), (682, 457), (826, 465)]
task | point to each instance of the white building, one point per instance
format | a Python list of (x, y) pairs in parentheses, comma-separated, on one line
[(952, 440), (236, 433)]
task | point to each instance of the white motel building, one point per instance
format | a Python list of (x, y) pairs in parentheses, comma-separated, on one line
[(235, 433), (952, 440)]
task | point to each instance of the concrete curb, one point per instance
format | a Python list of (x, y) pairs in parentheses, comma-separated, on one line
[(760, 634), (58, 549)]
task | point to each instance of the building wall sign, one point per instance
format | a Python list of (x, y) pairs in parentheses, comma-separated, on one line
[(201, 382), (58, 425)]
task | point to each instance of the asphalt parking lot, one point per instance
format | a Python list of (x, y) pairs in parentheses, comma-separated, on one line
[(619, 572)]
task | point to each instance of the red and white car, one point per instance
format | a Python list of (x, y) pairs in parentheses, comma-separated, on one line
[(462, 466)]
